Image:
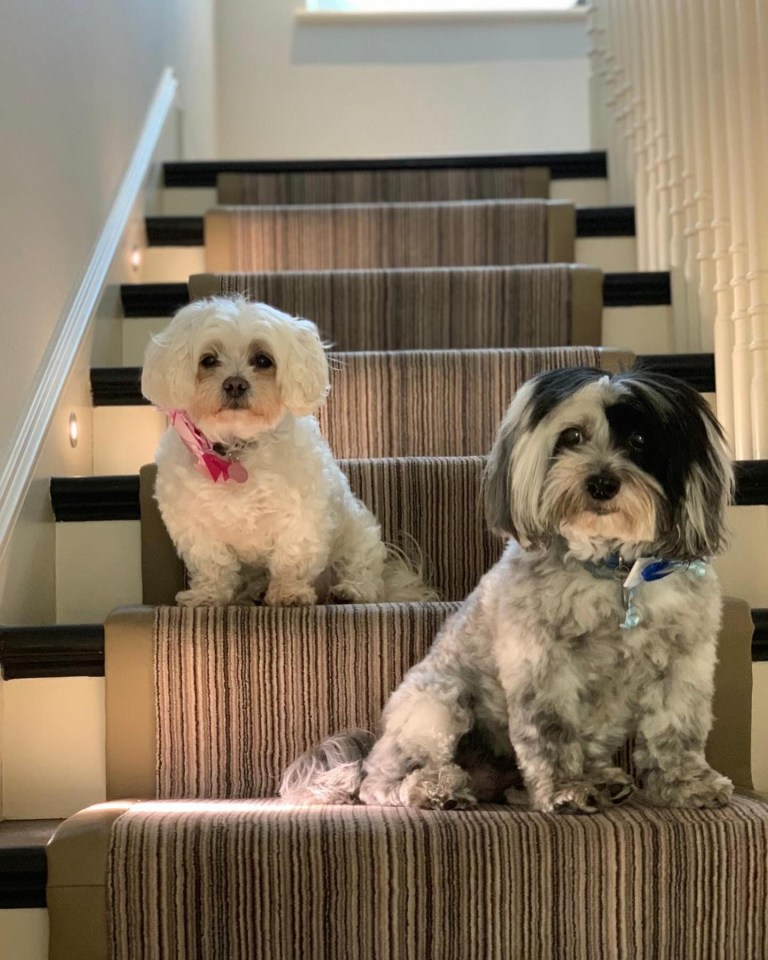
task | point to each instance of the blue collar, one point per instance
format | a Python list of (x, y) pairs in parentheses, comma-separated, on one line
[(643, 570)]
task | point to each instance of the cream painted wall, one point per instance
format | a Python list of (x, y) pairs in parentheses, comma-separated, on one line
[(77, 78), (297, 87)]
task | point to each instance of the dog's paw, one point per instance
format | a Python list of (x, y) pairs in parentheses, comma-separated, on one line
[(294, 596), (349, 592), (710, 790), (202, 598), (517, 797), (613, 786), (576, 797), (438, 788)]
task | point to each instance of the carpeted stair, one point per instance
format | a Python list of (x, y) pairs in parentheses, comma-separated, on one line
[(381, 235)]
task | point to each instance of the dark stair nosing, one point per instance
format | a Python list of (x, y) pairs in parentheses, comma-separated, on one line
[(76, 499), (751, 483), (117, 497), (153, 299), (174, 231), (58, 650), (696, 369), (21, 658), (760, 636), (647, 289), (590, 164), (117, 387), (590, 222), (23, 866), (121, 386), (605, 222), (634, 289)]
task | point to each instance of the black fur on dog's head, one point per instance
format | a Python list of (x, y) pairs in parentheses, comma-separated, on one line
[(617, 462)]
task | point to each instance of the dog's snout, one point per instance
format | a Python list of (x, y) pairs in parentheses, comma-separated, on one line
[(235, 387), (603, 486)]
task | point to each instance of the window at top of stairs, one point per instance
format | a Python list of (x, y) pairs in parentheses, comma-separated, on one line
[(440, 6)]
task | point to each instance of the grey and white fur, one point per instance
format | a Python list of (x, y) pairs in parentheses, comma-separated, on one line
[(533, 683)]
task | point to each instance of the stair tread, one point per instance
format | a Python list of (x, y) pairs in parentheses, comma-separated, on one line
[(23, 865), (189, 231), (116, 497), (51, 650), (121, 386), (29, 834), (589, 164), (647, 288)]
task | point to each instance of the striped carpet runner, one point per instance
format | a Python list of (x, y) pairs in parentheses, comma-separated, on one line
[(439, 402), (431, 308), (365, 236), (383, 186), (250, 880), (241, 691)]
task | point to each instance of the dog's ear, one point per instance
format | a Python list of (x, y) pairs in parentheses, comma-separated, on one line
[(513, 477), (699, 481), (302, 368), (167, 378), (700, 524), (496, 484)]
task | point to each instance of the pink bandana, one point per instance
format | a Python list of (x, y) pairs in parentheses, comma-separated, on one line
[(208, 461)]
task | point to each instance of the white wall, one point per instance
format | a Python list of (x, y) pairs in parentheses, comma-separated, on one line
[(76, 80), (291, 87)]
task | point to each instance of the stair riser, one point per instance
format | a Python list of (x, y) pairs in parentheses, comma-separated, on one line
[(98, 564), (170, 264), (55, 763), (24, 934), (98, 567), (125, 438), (643, 329), (610, 254), (586, 192), (194, 201), (53, 746), (177, 264)]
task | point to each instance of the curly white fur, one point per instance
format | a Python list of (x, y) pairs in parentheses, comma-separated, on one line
[(250, 377), (535, 667)]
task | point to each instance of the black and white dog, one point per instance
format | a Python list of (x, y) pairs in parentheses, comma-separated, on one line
[(598, 622)]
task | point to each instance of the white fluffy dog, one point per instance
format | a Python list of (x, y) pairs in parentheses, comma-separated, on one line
[(598, 622), (247, 486)]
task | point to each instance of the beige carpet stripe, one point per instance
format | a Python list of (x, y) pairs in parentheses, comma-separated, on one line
[(531, 306), (422, 309), (455, 308), (242, 691), (366, 236), (434, 503), (383, 186), (430, 403), (253, 880)]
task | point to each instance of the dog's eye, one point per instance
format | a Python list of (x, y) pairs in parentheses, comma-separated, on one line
[(262, 361), (209, 360), (636, 442), (571, 437)]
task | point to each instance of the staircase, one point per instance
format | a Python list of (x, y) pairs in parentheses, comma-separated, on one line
[(102, 563)]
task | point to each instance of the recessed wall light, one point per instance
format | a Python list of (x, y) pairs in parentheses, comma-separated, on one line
[(135, 259), (73, 429)]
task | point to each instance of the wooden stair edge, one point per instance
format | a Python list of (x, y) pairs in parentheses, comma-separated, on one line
[(586, 164)]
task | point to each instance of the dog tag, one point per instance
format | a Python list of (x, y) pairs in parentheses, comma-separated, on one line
[(237, 472)]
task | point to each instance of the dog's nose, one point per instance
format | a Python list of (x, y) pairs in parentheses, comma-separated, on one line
[(603, 486), (235, 387)]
